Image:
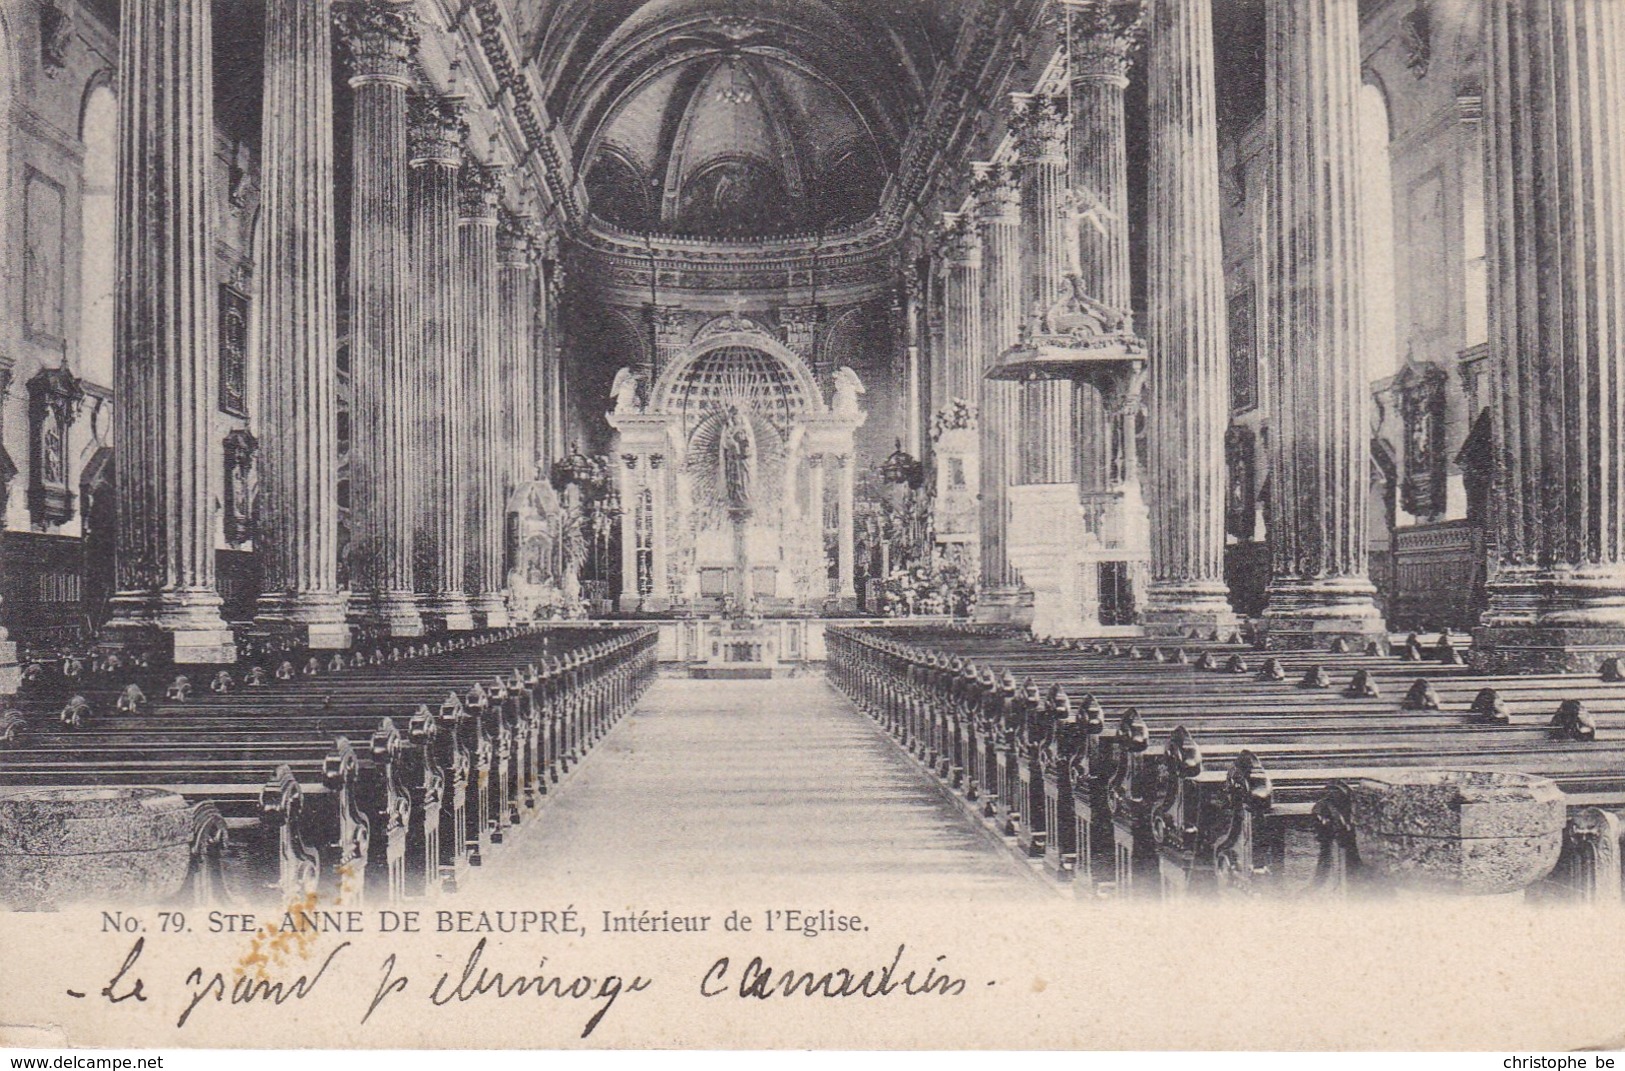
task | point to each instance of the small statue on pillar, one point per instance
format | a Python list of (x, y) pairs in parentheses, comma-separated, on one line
[(626, 391)]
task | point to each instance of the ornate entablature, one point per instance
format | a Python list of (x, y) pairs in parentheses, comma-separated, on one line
[(794, 273)]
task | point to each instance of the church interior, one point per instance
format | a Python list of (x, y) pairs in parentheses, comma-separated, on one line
[(1179, 439)]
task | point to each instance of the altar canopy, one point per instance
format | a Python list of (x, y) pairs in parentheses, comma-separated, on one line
[(736, 478)]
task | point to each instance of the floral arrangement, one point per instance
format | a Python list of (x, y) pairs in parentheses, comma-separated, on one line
[(956, 415), (942, 587)]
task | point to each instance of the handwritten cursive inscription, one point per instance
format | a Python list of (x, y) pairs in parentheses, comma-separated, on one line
[(759, 980)]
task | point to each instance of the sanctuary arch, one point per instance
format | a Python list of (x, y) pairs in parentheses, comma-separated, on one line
[(736, 478)]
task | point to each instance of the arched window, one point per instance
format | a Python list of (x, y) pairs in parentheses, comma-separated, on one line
[(1377, 209), (99, 131)]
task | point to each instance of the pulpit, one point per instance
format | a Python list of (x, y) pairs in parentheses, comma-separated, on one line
[(1060, 537)]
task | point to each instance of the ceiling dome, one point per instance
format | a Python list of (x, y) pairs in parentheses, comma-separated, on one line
[(734, 145), (737, 118)]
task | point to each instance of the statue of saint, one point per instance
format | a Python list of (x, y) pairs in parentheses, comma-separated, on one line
[(847, 389), (738, 455)]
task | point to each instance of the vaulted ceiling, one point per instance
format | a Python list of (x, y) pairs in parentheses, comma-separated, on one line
[(736, 118)]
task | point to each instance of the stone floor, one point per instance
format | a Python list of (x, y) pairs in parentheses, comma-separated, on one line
[(721, 786)]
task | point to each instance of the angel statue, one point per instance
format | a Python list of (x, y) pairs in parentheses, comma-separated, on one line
[(625, 391), (847, 388)]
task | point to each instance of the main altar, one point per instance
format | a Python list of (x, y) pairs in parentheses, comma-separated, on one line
[(736, 478)]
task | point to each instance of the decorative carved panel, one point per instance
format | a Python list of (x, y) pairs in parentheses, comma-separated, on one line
[(44, 239), (1243, 352), (233, 351), (1422, 407), (54, 398)]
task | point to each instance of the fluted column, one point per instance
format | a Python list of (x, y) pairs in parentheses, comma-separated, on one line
[(297, 536), (998, 214), (477, 242), (962, 311), (1046, 422), (516, 259), (383, 474), (165, 327), (845, 564), (1318, 409), (1554, 136), (1190, 371), (438, 129), (815, 498), (911, 294), (1103, 35), (552, 371)]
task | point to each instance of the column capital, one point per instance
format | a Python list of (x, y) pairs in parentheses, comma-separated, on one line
[(516, 241), (379, 38), (996, 188), (1039, 121), (1103, 35), (802, 315), (437, 128), (669, 321), (958, 241), (913, 291), (479, 191)]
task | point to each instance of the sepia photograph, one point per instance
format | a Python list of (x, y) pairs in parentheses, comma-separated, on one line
[(812, 524)]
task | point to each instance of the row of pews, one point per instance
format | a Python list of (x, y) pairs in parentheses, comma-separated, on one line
[(1203, 764), (383, 772)]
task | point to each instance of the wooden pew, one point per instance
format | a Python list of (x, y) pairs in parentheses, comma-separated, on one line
[(398, 806), (1138, 811)]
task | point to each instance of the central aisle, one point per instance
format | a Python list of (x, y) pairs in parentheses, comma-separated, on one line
[(729, 786)]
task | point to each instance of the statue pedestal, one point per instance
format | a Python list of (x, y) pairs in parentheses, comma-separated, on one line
[(1047, 534)]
